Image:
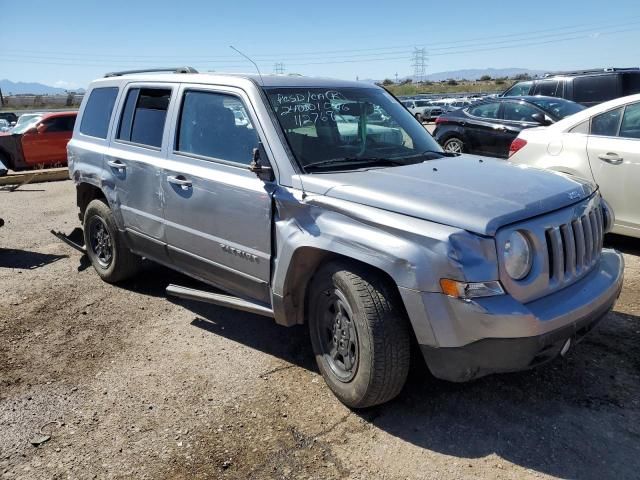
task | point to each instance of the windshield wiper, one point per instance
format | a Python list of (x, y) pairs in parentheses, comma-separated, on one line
[(347, 161), (425, 153)]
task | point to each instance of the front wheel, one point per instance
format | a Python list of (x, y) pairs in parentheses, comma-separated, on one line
[(453, 145), (359, 333)]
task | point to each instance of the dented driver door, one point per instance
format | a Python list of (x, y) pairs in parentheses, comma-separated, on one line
[(217, 212)]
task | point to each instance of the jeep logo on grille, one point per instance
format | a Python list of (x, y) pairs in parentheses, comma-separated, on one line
[(239, 253)]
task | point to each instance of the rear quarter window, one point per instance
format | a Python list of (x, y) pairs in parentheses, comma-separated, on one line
[(595, 88), (97, 112), (630, 83)]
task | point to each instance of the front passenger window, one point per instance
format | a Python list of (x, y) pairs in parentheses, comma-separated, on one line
[(217, 126)]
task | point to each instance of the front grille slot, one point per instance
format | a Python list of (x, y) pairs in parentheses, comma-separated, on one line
[(574, 247), (569, 246)]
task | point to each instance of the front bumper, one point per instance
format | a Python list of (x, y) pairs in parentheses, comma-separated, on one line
[(470, 339)]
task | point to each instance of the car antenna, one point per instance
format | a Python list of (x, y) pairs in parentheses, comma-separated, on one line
[(254, 63)]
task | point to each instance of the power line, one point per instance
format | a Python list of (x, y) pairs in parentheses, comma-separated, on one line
[(45, 60), (435, 46), (278, 68)]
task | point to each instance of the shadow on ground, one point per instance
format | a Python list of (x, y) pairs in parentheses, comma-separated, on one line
[(578, 417), (26, 260), (624, 244)]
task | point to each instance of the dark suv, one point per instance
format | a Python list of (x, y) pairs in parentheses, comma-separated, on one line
[(588, 87)]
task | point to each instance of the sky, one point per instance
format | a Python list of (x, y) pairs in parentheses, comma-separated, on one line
[(69, 43)]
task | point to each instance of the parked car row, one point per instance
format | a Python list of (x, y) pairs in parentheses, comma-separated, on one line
[(428, 109)]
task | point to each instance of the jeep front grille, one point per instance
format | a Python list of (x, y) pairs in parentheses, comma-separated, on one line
[(566, 246), (574, 247)]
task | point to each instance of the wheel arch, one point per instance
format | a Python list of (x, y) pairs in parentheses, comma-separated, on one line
[(305, 263), (85, 193)]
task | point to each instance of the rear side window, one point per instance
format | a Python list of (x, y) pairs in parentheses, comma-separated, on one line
[(216, 125), (97, 112), (486, 110), (144, 115), (518, 112), (548, 88), (630, 126), (607, 123), (595, 89)]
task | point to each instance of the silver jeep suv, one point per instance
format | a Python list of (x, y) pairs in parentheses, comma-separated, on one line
[(317, 209)]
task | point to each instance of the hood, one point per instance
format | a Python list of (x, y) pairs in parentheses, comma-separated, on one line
[(477, 194)]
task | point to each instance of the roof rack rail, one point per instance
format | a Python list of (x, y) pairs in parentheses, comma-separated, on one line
[(152, 70), (592, 70)]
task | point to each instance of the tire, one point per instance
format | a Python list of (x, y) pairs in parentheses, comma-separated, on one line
[(377, 343), (418, 117), (453, 145), (110, 257)]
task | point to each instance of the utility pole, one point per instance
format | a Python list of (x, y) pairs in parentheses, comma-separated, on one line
[(419, 64), (278, 67), (396, 77)]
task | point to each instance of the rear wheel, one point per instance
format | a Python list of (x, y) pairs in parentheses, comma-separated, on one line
[(110, 257), (359, 333), (453, 145), (418, 117)]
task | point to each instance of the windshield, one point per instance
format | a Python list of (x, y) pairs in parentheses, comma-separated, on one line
[(557, 107), (23, 124), (346, 128)]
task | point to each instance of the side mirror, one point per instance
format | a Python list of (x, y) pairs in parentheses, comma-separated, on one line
[(31, 131), (41, 128), (264, 172), (540, 119)]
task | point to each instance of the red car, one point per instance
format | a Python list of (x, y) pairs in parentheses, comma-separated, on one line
[(41, 142)]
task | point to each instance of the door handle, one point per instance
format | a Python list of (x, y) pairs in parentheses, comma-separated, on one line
[(179, 180), (612, 158), (116, 164)]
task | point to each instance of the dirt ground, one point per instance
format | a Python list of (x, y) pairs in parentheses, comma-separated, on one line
[(130, 384)]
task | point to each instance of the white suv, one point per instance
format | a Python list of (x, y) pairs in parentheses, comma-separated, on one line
[(602, 144)]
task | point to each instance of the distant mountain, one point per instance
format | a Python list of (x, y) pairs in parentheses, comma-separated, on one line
[(20, 88)]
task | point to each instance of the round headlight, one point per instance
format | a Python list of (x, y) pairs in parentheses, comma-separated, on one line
[(517, 256)]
